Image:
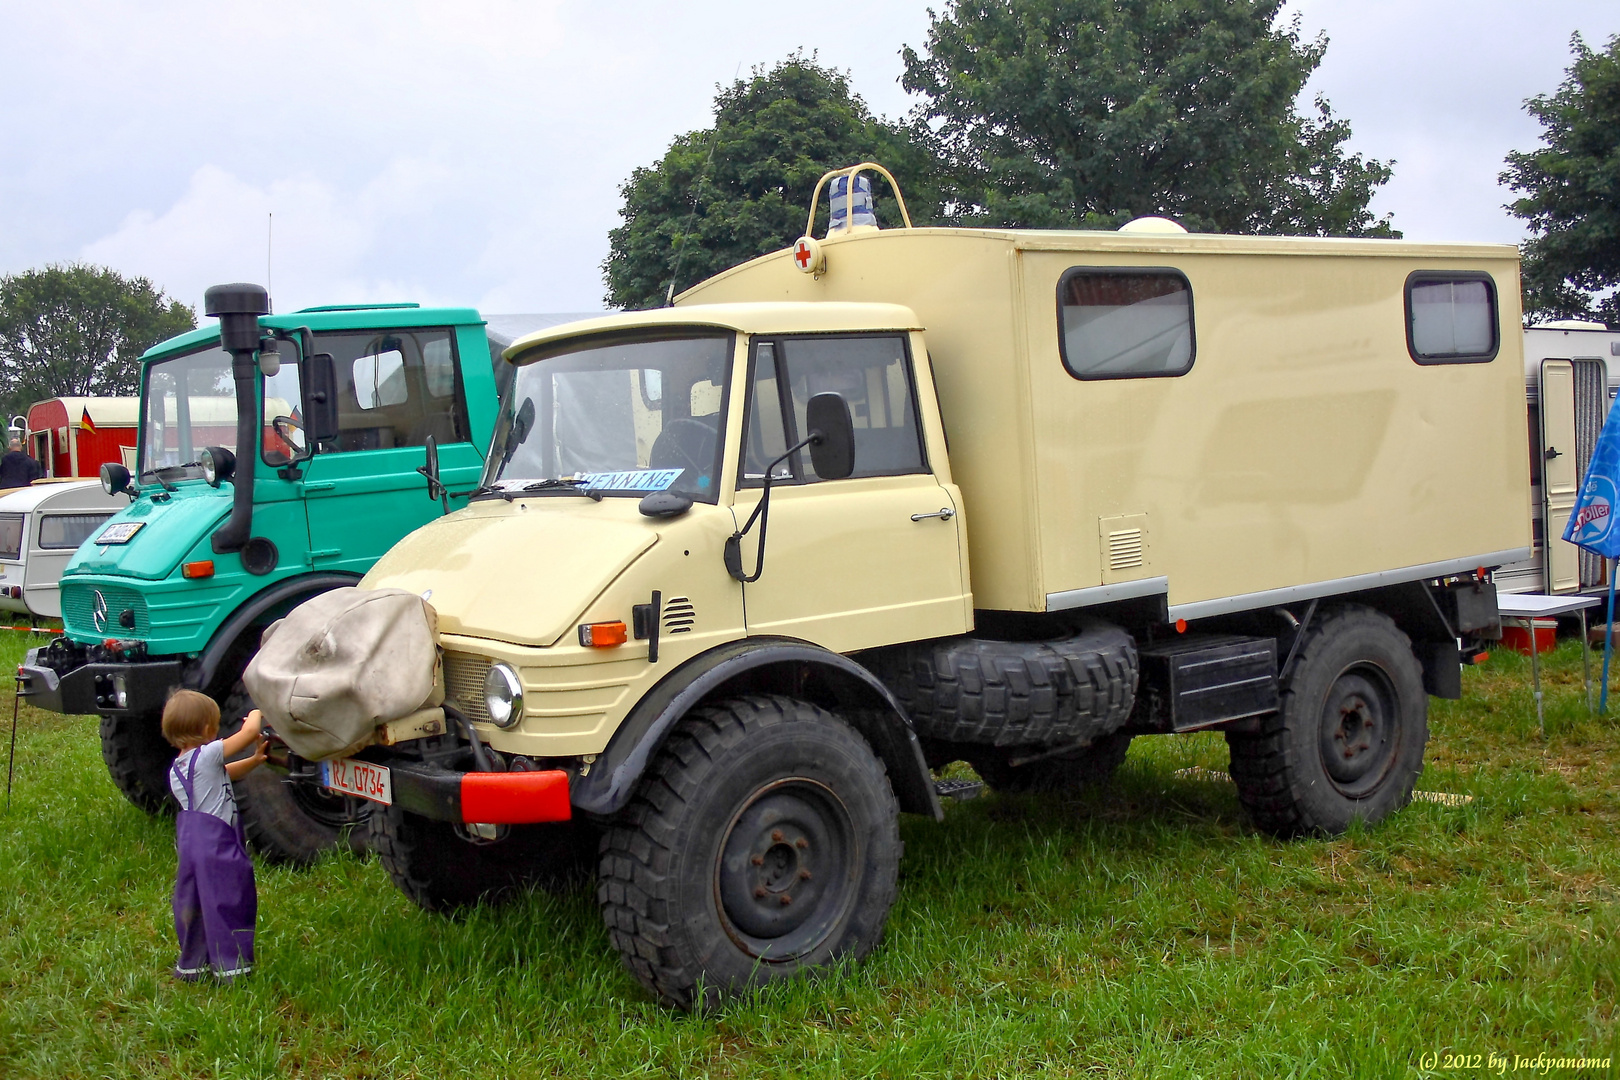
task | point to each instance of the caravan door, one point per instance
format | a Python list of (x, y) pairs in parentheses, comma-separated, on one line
[(1560, 481)]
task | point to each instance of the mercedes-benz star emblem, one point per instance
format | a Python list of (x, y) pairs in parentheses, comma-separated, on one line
[(98, 611)]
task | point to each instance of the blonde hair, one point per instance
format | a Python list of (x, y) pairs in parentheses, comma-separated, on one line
[(190, 719)]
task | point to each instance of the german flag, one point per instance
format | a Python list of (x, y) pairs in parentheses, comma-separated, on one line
[(87, 424)]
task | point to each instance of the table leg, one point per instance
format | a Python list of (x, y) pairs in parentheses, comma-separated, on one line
[(1535, 676), (1586, 662)]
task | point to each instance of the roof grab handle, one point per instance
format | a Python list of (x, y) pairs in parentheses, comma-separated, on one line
[(849, 193)]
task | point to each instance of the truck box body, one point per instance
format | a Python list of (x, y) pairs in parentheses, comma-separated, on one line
[(1304, 452)]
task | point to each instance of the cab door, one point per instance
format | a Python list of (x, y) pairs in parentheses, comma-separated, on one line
[(394, 388), (869, 560), (1560, 482)]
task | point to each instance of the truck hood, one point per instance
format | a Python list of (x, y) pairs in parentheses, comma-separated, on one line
[(169, 531), (522, 572)]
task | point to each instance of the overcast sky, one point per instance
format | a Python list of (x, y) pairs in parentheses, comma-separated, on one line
[(471, 152)]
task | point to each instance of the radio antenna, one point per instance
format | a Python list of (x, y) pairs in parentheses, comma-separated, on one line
[(269, 259), (697, 183)]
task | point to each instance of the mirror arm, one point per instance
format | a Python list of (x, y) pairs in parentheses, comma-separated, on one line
[(733, 553)]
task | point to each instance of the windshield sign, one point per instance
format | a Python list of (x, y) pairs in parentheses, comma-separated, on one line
[(617, 418)]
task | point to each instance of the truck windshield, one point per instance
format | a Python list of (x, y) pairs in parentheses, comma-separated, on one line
[(623, 417), (190, 403)]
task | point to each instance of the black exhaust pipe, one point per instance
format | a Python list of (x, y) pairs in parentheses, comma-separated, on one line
[(238, 308)]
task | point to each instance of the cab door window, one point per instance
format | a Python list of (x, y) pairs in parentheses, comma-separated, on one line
[(872, 372), (394, 389)]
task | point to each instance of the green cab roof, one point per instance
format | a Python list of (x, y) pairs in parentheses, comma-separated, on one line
[(327, 317)]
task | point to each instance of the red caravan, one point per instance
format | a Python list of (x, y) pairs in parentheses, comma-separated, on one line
[(74, 436)]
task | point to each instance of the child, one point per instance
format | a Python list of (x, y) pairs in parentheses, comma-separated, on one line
[(215, 904)]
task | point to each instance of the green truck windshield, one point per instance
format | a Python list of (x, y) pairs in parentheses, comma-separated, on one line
[(190, 403)]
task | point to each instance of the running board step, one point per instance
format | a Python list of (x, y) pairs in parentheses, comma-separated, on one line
[(960, 790)]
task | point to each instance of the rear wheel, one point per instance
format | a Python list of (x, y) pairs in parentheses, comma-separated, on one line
[(763, 843), (1347, 743), (1074, 770), (138, 759), (441, 868)]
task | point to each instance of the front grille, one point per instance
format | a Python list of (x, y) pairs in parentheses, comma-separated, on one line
[(464, 683), (79, 604)]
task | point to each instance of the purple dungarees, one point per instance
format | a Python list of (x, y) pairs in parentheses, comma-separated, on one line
[(215, 904)]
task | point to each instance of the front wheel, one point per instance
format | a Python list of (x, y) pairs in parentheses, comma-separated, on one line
[(1347, 742), (291, 823), (138, 759), (763, 843), (441, 868)]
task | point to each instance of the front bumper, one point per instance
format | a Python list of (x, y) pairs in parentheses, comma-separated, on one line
[(119, 689), (492, 798)]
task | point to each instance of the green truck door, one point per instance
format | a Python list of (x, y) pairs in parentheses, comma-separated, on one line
[(362, 492)]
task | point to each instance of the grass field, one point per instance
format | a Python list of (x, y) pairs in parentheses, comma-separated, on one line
[(1145, 931)]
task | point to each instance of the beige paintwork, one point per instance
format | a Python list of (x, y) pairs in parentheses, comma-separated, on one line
[(1303, 448)]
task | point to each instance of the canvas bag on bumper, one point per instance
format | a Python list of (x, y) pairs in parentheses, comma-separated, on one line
[(343, 662)]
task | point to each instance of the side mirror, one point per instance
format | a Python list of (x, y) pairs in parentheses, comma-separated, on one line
[(114, 477), (321, 397), (832, 450), (430, 470)]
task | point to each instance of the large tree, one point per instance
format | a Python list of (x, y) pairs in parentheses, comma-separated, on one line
[(742, 188), (1571, 192), (1065, 113), (78, 330)]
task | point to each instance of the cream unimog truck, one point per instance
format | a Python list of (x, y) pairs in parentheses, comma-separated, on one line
[(744, 570)]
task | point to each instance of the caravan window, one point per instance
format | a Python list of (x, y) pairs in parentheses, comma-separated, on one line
[(1450, 317), (1125, 323), (11, 531), (68, 531)]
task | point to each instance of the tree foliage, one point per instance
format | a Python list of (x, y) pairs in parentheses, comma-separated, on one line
[(1571, 192), (1065, 113), (741, 188), (78, 331)]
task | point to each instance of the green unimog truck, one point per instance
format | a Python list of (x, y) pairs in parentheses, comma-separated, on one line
[(278, 457)]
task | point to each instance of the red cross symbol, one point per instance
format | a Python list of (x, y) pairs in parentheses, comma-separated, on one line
[(802, 254)]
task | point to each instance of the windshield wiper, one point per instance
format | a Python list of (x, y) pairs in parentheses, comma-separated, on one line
[(160, 472), (571, 485)]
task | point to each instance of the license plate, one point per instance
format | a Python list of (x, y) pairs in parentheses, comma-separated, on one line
[(120, 533), (360, 778)]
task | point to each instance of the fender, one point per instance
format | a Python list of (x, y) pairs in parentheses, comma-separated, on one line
[(200, 673), (762, 665)]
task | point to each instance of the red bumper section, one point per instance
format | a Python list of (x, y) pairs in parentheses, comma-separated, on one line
[(516, 798), (493, 798)]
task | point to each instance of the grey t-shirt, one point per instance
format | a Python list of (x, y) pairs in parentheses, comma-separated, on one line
[(210, 783)]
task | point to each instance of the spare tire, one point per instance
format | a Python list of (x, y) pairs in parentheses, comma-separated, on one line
[(1072, 689)]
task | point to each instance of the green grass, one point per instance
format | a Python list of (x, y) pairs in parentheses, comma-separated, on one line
[(1144, 931)]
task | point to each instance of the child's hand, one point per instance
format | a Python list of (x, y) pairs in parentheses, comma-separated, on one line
[(240, 768), (254, 721)]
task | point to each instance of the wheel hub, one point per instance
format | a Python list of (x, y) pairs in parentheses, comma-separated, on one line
[(1357, 736), (786, 870)]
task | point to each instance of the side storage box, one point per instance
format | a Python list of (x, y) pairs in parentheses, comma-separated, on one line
[(1196, 681)]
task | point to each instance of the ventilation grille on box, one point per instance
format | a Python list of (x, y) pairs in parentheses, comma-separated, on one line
[(679, 615), (1124, 549)]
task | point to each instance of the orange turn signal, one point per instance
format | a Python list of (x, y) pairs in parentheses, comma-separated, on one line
[(603, 635), (201, 568)]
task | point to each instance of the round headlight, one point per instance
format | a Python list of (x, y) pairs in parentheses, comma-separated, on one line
[(217, 464), (503, 696)]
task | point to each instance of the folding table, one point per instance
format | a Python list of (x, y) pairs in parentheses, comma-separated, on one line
[(1525, 609)]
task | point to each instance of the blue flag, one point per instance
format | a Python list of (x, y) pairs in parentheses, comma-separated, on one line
[(1591, 525)]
